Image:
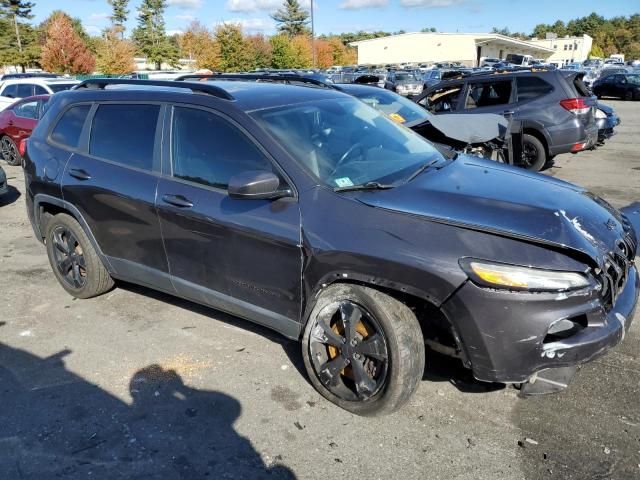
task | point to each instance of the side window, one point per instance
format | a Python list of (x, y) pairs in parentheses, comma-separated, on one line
[(10, 91), (443, 99), (488, 94), (68, 129), (40, 90), (531, 87), (27, 110), (25, 90), (209, 150), (44, 104), (125, 134)]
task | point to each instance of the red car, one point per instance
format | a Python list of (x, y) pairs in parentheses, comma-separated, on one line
[(16, 123)]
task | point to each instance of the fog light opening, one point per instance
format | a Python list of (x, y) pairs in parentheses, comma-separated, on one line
[(565, 328)]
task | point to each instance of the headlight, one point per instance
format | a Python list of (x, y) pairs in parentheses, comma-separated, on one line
[(600, 114), (511, 277)]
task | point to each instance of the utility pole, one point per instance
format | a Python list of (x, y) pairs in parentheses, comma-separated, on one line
[(313, 38)]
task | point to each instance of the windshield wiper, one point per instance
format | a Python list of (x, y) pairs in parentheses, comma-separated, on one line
[(422, 169), (363, 186)]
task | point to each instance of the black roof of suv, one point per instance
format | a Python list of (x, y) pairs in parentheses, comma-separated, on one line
[(556, 108), (305, 210)]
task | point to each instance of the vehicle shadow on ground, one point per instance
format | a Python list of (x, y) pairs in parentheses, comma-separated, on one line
[(55, 424), (438, 368), (10, 197), (441, 368)]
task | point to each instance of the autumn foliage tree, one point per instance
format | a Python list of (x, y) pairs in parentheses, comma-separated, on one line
[(115, 55), (198, 43), (64, 51)]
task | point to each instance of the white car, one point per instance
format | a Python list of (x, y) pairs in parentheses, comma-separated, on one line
[(12, 90)]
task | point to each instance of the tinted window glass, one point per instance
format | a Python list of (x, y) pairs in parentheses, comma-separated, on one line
[(442, 99), (40, 90), (531, 87), (59, 87), (488, 94), (24, 90), (209, 150), (27, 110), (10, 91), (67, 131), (125, 134)]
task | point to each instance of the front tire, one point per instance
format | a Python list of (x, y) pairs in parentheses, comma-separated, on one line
[(534, 155), (73, 259), (10, 151), (363, 350)]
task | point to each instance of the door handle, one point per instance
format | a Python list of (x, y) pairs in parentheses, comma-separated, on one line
[(79, 174), (10, 123), (177, 200)]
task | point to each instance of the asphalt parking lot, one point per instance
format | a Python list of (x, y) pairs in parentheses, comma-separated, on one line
[(137, 384)]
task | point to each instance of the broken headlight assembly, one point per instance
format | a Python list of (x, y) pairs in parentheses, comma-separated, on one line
[(513, 277)]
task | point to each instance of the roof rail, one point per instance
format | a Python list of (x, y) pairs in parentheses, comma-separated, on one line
[(102, 83), (268, 77)]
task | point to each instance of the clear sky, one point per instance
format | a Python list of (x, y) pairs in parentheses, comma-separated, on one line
[(336, 16)]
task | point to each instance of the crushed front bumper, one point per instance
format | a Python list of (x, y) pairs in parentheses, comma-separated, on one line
[(506, 335)]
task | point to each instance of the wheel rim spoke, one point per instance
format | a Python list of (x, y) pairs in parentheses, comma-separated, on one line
[(373, 347), (65, 265), (350, 315), (324, 333), (330, 372), (77, 278), (365, 385), (60, 243), (69, 258)]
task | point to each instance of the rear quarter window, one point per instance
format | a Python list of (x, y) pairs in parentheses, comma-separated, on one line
[(532, 87), (69, 127)]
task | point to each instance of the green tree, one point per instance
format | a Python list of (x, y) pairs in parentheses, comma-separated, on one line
[(235, 53), (596, 52), (9, 52), (15, 10), (150, 35), (283, 54), (292, 19), (119, 14)]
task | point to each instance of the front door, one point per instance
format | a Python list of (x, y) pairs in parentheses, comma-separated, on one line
[(241, 256)]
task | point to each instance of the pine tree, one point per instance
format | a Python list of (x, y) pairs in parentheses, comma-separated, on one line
[(150, 35), (14, 10), (64, 51), (235, 53), (292, 19), (119, 14)]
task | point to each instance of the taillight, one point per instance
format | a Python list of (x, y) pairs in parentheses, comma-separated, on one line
[(576, 147), (575, 105), (22, 147)]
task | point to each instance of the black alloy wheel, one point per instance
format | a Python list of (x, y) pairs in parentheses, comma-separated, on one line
[(69, 258), (348, 350)]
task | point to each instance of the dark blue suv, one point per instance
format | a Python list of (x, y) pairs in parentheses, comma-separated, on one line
[(305, 210)]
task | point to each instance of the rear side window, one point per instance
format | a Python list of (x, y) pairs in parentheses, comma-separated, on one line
[(10, 91), (40, 90), (209, 150), (488, 94), (125, 134), (24, 90), (27, 110), (531, 87), (68, 129)]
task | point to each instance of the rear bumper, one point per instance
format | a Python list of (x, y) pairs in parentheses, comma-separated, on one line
[(564, 138), (505, 334)]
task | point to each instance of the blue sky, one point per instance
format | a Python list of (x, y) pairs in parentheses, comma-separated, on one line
[(335, 16)]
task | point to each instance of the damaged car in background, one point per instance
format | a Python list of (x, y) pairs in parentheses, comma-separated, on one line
[(307, 211)]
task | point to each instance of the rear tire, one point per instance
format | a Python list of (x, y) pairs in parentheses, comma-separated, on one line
[(534, 153), (73, 259), (10, 151), (378, 370)]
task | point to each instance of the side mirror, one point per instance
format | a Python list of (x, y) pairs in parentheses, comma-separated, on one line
[(256, 185)]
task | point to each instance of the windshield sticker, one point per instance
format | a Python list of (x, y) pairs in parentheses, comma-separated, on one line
[(396, 117), (344, 182)]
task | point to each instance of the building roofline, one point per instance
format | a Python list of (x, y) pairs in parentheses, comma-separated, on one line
[(486, 36)]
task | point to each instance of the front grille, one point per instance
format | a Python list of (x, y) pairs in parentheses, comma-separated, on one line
[(616, 268)]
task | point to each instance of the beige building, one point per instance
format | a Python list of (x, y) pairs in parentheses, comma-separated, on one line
[(466, 48), (566, 49)]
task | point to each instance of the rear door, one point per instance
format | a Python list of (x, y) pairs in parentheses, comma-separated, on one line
[(242, 256), (112, 179)]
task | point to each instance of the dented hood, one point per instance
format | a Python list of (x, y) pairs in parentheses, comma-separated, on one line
[(508, 201)]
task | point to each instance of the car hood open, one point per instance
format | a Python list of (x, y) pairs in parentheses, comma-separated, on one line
[(486, 196)]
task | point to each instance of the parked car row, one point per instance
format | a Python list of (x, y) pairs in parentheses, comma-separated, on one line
[(294, 205)]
